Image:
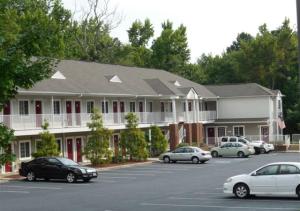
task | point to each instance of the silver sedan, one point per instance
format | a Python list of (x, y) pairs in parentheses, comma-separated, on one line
[(193, 154)]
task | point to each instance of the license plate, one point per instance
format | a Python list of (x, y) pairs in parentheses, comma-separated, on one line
[(94, 174)]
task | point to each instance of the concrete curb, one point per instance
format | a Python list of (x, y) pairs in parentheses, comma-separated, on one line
[(4, 179)]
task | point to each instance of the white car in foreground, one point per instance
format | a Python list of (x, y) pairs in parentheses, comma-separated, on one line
[(273, 179)]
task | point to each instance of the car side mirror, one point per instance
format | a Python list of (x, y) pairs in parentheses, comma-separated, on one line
[(254, 174)]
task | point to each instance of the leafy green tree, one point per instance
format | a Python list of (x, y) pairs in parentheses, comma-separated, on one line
[(139, 33), (133, 139), (97, 147), (6, 137), (158, 142), (31, 34), (170, 49), (48, 145)]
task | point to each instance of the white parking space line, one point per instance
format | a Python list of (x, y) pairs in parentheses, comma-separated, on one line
[(14, 191), (126, 174), (141, 171), (215, 206), (233, 199), (117, 177), (31, 187)]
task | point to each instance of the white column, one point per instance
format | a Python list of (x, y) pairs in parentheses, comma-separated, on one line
[(145, 111), (186, 110), (174, 110), (194, 110)]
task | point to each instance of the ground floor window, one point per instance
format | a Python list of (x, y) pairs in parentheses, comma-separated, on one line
[(221, 131), (238, 130), (25, 149)]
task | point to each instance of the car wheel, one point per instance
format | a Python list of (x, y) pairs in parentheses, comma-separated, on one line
[(298, 191), (241, 191), (30, 176), (71, 177), (241, 154), (263, 151), (195, 160), (214, 154), (167, 159), (86, 180)]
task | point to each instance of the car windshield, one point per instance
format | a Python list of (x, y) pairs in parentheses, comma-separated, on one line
[(67, 162)]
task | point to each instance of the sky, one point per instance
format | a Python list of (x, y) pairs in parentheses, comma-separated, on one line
[(212, 25)]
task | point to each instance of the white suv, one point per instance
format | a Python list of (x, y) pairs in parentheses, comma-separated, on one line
[(264, 147), (227, 139)]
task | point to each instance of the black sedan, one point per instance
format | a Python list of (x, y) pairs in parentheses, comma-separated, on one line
[(56, 168)]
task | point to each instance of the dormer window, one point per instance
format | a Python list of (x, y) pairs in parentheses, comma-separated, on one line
[(176, 83), (115, 79), (58, 75)]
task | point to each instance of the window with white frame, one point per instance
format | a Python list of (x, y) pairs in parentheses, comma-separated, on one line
[(238, 130), (89, 107), (221, 131), (25, 149), (104, 106), (184, 106), (171, 107), (279, 104), (132, 106), (23, 107), (56, 107)]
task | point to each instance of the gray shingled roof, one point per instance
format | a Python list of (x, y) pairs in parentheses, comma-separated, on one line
[(240, 90), (92, 78)]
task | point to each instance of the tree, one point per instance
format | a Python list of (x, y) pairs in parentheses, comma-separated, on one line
[(97, 146), (89, 38), (6, 137), (133, 139), (170, 49), (139, 33), (158, 142), (48, 145), (31, 35)]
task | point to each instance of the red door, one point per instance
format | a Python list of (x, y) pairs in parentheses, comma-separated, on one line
[(162, 111), (79, 148), (115, 111), (8, 165), (77, 111), (211, 135), (38, 113), (122, 110), (70, 148), (265, 133), (116, 145), (6, 113), (69, 112)]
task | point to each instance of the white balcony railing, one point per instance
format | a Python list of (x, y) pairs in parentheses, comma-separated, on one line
[(34, 121)]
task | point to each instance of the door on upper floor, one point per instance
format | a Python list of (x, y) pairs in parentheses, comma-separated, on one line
[(78, 112), (115, 111), (38, 113), (6, 113), (141, 111), (69, 112), (122, 111), (162, 111)]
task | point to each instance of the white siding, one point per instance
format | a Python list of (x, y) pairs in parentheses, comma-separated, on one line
[(243, 108)]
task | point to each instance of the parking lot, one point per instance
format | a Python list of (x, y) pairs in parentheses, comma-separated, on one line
[(157, 186)]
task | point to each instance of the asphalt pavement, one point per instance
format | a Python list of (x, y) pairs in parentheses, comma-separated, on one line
[(157, 186)]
